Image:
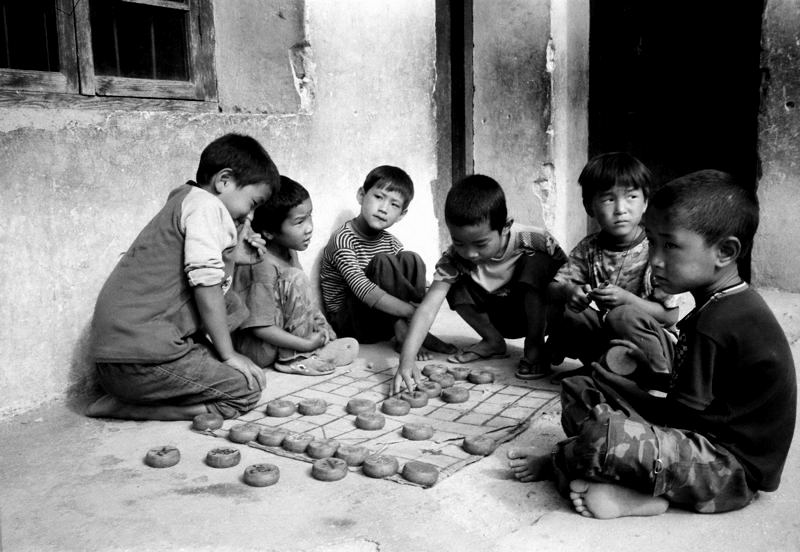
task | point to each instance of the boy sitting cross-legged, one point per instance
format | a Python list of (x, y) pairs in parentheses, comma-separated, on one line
[(494, 275), (724, 429), (160, 334), (285, 329), (370, 286)]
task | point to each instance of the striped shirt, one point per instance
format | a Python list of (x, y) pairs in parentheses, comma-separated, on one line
[(343, 262)]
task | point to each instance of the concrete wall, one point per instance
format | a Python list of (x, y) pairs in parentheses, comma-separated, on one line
[(81, 182), (776, 254)]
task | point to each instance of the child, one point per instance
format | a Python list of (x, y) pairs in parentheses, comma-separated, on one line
[(161, 340), (494, 275), (369, 284), (724, 430), (607, 284), (284, 327)]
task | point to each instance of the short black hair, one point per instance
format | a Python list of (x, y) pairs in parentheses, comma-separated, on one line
[(476, 199), (249, 161), (270, 216), (604, 171), (393, 179), (711, 204)]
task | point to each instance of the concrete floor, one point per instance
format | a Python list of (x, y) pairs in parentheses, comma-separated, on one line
[(73, 483)]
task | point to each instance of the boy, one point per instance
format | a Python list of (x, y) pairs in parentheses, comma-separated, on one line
[(161, 339), (724, 430), (369, 284), (494, 275), (607, 284), (285, 328)]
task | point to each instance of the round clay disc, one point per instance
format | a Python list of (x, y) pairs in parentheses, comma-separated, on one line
[(353, 455), (209, 420), (296, 442), (421, 473), (430, 388), (312, 407), (243, 433), (417, 432), (261, 475), (370, 421), (619, 361), (416, 399), (395, 407), (280, 408), (271, 436), (329, 469), (430, 369), (357, 406), (162, 457), (380, 465), (455, 395), (444, 379), (223, 457), (460, 373), (478, 444), (322, 448), (480, 377)]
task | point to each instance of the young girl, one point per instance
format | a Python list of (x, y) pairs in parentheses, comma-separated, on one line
[(285, 328)]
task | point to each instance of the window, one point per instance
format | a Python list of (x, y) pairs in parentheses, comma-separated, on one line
[(128, 48)]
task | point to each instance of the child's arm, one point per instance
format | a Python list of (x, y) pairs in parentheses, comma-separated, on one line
[(211, 307), (609, 296), (281, 338), (407, 371)]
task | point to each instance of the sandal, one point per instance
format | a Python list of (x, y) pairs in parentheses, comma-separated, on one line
[(312, 366), (528, 370)]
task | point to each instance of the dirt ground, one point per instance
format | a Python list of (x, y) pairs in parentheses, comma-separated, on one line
[(73, 483)]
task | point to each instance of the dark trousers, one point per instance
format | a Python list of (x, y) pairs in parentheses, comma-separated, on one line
[(401, 275)]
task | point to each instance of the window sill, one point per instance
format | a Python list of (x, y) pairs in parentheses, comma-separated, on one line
[(49, 100)]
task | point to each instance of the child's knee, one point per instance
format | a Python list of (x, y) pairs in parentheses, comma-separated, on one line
[(624, 317), (235, 407)]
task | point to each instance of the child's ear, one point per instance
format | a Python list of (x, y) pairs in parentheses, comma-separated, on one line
[(222, 179), (587, 205), (507, 226), (728, 250), (360, 195)]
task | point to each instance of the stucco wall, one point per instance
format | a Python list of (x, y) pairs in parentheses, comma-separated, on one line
[(81, 183), (512, 103), (776, 253)]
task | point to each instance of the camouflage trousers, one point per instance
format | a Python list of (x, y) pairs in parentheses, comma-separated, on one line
[(609, 442)]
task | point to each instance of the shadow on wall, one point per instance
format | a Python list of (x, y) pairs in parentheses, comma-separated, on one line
[(82, 384)]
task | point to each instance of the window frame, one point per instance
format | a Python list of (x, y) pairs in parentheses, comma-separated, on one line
[(77, 77)]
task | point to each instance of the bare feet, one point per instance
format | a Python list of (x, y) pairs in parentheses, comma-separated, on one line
[(111, 407), (482, 350), (606, 501), (530, 464), (433, 343)]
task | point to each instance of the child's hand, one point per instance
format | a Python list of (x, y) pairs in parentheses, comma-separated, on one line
[(407, 374), (251, 246), (315, 341), (249, 369), (579, 298), (608, 296)]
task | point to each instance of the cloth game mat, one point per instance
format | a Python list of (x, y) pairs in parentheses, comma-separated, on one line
[(497, 410)]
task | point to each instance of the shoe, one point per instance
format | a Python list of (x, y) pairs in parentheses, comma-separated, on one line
[(311, 366)]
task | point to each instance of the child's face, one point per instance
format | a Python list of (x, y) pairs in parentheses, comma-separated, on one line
[(380, 208), (619, 211), (297, 227), (478, 242), (681, 259), (242, 200)]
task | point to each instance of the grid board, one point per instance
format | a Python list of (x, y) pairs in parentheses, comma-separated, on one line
[(498, 410)]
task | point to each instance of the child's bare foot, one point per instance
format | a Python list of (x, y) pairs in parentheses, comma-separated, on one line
[(530, 464), (606, 501), (104, 407), (433, 343), (482, 350)]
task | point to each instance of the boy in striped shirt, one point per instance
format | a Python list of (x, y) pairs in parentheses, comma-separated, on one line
[(370, 285)]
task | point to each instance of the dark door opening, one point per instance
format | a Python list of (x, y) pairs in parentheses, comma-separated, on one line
[(677, 84)]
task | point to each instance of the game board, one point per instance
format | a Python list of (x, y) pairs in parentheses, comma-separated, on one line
[(498, 410)]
